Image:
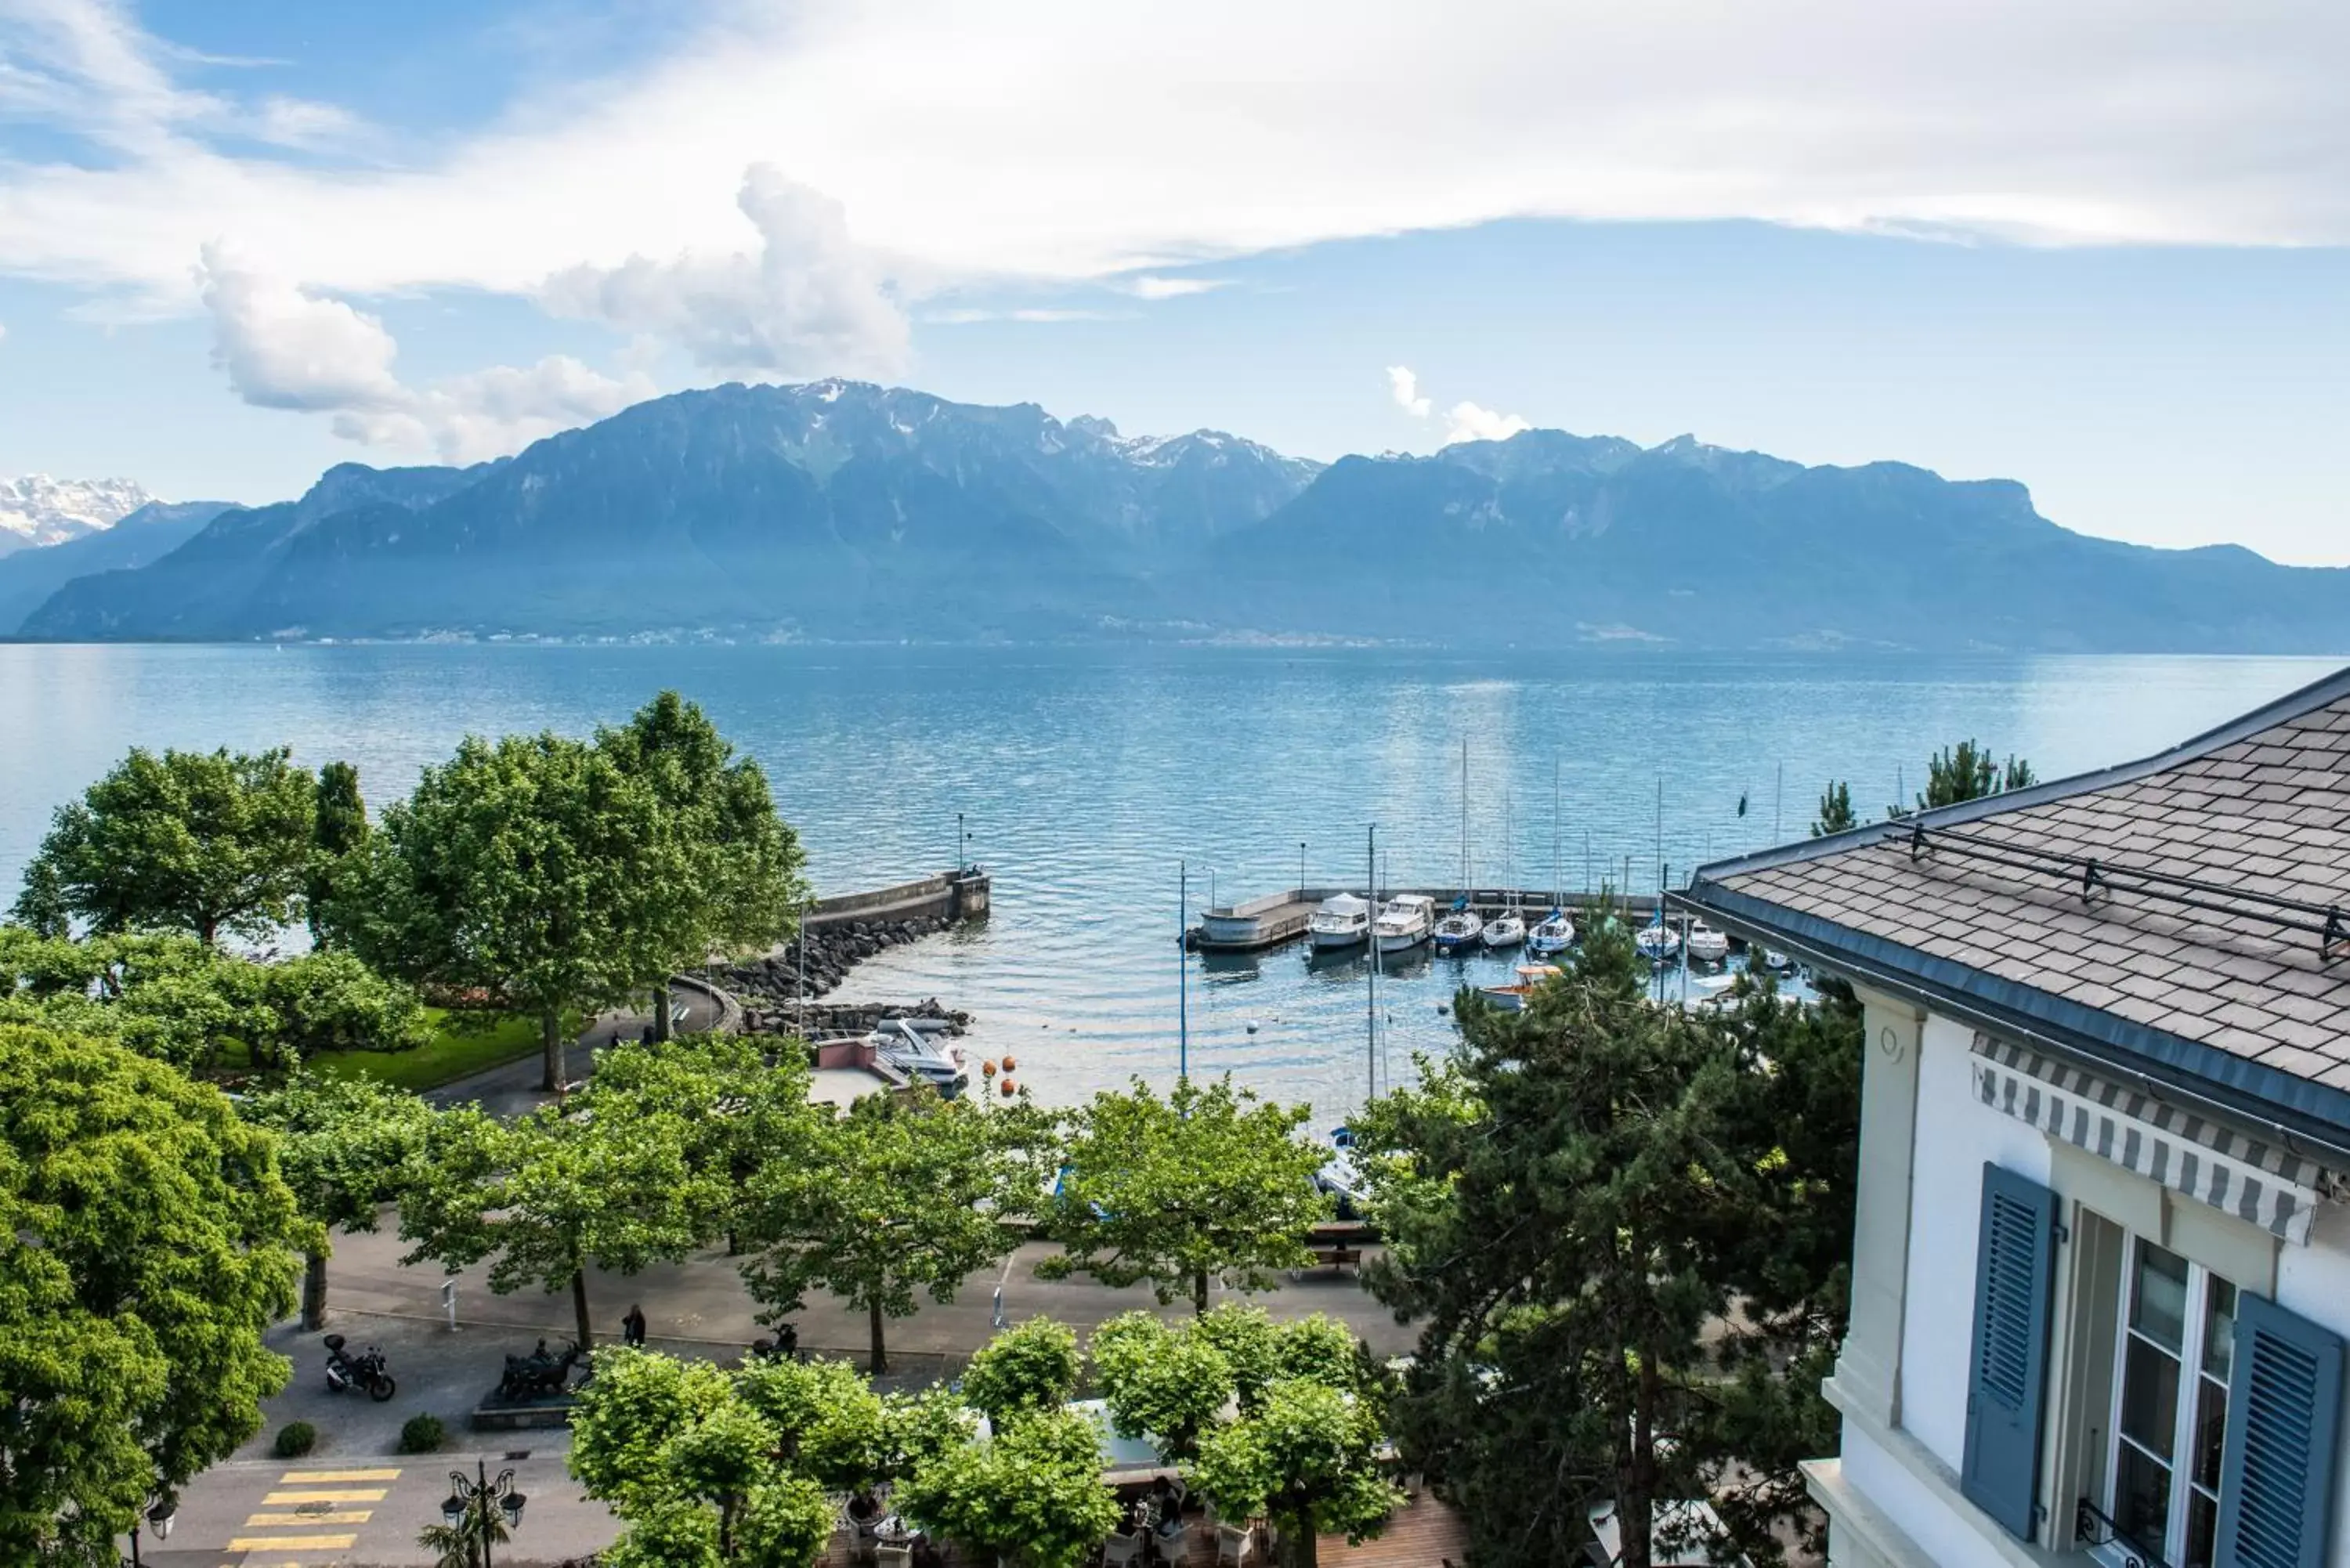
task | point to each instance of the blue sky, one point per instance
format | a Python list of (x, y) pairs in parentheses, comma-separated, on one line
[(2104, 253)]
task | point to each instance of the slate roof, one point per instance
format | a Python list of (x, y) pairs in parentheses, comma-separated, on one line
[(1986, 907)]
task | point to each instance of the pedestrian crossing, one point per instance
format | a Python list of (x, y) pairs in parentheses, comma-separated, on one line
[(300, 1515)]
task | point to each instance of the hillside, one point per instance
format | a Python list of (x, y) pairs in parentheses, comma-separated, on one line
[(28, 576), (840, 510)]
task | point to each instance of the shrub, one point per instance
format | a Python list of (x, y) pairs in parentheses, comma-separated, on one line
[(422, 1435), (295, 1439)]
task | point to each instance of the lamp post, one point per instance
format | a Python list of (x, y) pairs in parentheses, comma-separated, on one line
[(1300, 868), (472, 1505), (159, 1516)]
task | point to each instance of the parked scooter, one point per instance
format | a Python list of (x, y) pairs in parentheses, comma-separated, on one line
[(362, 1371)]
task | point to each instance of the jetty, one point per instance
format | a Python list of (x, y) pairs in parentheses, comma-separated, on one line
[(1275, 919)]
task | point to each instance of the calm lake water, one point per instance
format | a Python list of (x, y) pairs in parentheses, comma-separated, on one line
[(1086, 776)]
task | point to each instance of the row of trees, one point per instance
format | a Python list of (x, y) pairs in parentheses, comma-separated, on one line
[(534, 874), (704, 1465)]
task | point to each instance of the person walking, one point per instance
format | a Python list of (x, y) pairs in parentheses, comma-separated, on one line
[(632, 1328)]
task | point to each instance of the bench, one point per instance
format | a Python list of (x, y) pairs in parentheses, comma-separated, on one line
[(1338, 1259)]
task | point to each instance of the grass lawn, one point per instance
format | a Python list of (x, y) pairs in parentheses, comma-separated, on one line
[(461, 1043)]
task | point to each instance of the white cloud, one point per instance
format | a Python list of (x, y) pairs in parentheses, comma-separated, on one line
[(1405, 387), (1146, 287), (811, 301), (967, 318), (1109, 142), (287, 348), (1462, 422)]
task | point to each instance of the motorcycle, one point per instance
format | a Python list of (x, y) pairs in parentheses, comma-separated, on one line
[(784, 1345), (365, 1370)]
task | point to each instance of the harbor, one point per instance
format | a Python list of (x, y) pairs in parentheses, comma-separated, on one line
[(1276, 919)]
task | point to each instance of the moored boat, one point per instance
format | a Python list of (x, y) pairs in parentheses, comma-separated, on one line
[(1512, 998), (1404, 922), (1657, 942), (1460, 930), (1504, 930), (1705, 944), (1343, 920), (1553, 936)]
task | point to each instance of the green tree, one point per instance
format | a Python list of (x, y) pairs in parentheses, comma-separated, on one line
[(1032, 1493), (629, 1171), (899, 1193), (211, 842), (1163, 1383), (741, 887), (530, 869), (1307, 1459), (1835, 811), (1968, 772), (151, 1242), (338, 828), (697, 1472), (1559, 1199), (346, 1147), (180, 1000), (1030, 1366), (830, 1424), (1204, 1184)]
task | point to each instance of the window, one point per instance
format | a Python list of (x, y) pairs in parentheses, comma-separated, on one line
[(2173, 1365)]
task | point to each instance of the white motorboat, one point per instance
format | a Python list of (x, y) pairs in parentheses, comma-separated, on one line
[(1404, 922), (1343, 920), (1706, 945), (1657, 942), (1504, 930), (1553, 936), (916, 1053), (1460, 930), (1776, 962), (1512, 998)]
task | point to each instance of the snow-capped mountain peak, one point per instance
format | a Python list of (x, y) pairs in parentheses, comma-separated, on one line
[(37, 509)]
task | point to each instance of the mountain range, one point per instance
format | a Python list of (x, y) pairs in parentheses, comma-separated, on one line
[(842, 509), (38, 510)]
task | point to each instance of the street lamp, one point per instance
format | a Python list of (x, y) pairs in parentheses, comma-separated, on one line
[(158, 1518), (471, 1505)]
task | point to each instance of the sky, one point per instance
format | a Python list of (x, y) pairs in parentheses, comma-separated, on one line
[(2102, 248)]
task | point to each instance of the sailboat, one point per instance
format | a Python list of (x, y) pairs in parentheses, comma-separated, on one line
[(1461, 927), (1508, 929), (1556, 933), (1657, 942)]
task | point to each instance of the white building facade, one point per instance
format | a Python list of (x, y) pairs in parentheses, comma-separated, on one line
[(2101, 1282)]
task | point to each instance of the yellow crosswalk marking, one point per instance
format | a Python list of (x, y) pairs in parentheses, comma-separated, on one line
[(325, 1516), (292, 1543), (279, 1498), (295, 1477)]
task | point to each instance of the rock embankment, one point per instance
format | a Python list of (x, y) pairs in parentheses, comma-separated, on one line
[(828, 1019), (832, 951)]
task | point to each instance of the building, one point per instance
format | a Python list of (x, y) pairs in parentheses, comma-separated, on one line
[(2102, 1255)]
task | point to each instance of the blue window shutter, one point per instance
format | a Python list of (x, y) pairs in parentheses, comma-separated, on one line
[(2007, 1381), (2276, 1475)]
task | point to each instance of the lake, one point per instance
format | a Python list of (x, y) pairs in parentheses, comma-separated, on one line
[(1086, 776)]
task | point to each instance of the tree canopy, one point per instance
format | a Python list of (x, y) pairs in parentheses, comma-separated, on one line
[(347, 1148), (339, 829), (211, 842), (1031, 1493), (557, 873), (150, 1239), (897, 1194), (1307, 1457), (180, 1000), (636, 1168), (1968, 772), (1835, 811), (1571, 1205), (1030, 1366), (1206, 1184)]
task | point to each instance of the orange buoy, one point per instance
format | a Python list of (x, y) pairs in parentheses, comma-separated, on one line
[(987, 1068), (1009, 1063), (1009, 1090)]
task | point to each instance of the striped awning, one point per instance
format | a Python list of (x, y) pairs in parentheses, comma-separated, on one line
[(2234, 1172)]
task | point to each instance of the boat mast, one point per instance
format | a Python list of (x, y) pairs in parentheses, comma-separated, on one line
[(1464, 816), (1557, 894), (1184, 970), (1371, 989)]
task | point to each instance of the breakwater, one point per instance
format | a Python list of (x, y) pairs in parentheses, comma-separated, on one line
[(777, 989)]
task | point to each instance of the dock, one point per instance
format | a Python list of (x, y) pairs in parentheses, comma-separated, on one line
[(1275, 920)]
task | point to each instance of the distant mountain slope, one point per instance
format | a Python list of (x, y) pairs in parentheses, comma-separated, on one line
[(36, 510), (154, 531), (844, 510)]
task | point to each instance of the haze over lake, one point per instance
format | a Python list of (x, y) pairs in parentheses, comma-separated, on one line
[(1087, 775)]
